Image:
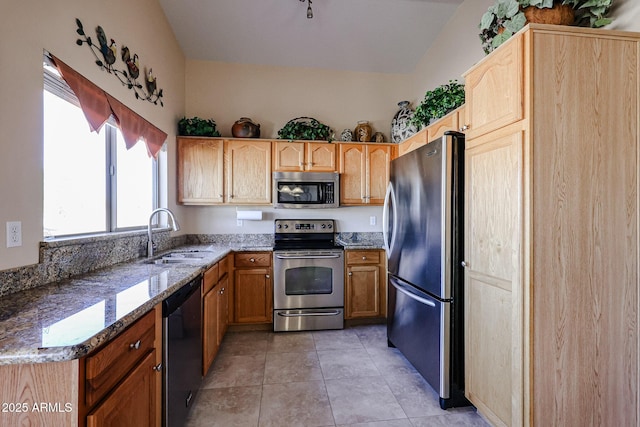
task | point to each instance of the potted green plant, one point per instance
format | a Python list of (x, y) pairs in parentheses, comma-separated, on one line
[(196, 126), (506, 17), (438, 102), (305, 128)]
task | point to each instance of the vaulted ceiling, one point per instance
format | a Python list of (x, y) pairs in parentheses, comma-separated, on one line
[(386, 36)]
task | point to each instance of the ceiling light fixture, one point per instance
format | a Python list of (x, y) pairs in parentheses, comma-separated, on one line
[(309, 11)]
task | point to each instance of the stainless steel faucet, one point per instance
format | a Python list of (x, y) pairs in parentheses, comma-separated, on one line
[(174, 226)]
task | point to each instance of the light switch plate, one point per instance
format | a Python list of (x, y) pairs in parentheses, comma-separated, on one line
[(14, 234)]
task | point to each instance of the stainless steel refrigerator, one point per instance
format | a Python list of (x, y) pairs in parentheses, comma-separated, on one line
[(423, 233)]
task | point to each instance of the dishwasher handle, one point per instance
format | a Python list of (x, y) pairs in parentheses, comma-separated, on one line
[(175, 300)]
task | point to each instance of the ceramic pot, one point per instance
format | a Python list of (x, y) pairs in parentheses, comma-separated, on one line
[(377, 137), (346, 135), (245, 128), (362, 132)]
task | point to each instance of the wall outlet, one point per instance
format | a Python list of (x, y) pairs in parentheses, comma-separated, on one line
[(372, 220), (14, 234)]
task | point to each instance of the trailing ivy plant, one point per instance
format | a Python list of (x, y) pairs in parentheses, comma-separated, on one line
[(438, 102), (305, 128), (196, 126), (591, 13), (505, 17)]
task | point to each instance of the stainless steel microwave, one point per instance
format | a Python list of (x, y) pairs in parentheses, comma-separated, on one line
[(306, 189)]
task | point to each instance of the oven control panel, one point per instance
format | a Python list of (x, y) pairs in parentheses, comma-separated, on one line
[(304, 226)]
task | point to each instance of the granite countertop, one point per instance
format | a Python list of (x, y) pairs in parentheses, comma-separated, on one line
[(69, 319)]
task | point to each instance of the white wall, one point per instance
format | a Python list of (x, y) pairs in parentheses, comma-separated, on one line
[(28, 27), (222, 220)]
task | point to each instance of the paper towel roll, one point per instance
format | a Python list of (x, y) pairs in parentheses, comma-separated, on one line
[(249, 215)]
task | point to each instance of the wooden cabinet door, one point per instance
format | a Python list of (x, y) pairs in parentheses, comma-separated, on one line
[(378, 170), (448, 122), (253, 295), (132, 403), (200, 171), (494, 90), (288, 156), (416, 140), (320, 157), (248, 171), (362, 291), (352, 174), (223, 307), (210, 319), (493, 290)]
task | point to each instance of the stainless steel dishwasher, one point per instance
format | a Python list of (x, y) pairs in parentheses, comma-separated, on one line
[(182, 351)]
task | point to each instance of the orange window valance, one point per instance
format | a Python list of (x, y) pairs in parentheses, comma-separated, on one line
[(98, 106)]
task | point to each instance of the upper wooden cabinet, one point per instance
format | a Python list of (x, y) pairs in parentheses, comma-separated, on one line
[(304, 156), (452, 121), (200, 171), (494, 90), (248, 171), (416, 140), (551, 226), (364, 173)]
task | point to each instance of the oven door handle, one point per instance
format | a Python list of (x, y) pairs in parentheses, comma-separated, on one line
[(310, 313), (307, 256)]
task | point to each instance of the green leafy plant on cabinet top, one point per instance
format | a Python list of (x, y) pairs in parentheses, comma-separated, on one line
[(438, 102), (196, 126), (505, 17), (305, 128)]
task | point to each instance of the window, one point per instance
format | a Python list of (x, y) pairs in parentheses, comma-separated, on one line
[(92, 183)]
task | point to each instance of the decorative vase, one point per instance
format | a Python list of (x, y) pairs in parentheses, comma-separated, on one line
[(362, 131), (401, 126), (245, 128), (559, 14), (377, 137), (346, 135)]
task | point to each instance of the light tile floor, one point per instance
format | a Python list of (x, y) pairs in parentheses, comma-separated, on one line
[(314, 379)]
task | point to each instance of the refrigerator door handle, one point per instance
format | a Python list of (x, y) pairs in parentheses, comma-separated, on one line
[(411, 295), (389, 198)]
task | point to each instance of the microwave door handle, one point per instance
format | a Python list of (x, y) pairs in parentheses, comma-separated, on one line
[(320, 195)]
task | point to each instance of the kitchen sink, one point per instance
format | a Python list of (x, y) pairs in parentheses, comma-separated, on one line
[(176, 258)]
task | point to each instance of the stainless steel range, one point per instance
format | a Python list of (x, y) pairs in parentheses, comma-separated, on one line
[(308, 276)]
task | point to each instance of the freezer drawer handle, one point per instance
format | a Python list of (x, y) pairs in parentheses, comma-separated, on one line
[(310, 313), (413, 296)]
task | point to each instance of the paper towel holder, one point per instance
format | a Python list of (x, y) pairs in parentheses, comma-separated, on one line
[(250, 215)]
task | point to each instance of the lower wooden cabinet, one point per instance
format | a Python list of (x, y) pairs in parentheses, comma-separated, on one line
[(215, 304), (365, 284), (253, 289), (132, 403)]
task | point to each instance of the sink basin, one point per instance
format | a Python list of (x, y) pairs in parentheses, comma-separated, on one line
[(169, 261), (183, 255)]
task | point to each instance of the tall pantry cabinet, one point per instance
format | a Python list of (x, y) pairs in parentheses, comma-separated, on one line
[(551, 286)]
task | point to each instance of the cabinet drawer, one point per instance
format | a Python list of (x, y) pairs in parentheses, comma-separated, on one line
[(210, 278), (223, 267), (255, 259), (363, 257), (109, 365)]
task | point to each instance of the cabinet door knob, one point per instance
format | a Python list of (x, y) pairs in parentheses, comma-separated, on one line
[(464, 127), (364, 258), (158, 367), (135, 345), (252, 260), (465, 264), (267, 276), (350, 273)]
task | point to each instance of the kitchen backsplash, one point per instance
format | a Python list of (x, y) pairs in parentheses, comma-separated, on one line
[(65, 258)]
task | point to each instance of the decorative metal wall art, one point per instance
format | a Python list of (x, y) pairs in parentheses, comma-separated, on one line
[(106, 52)]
